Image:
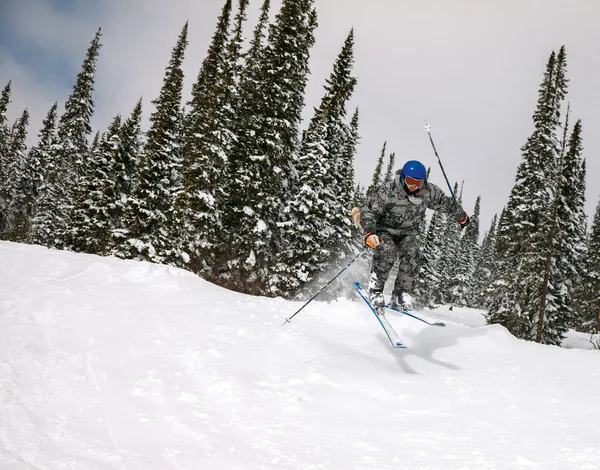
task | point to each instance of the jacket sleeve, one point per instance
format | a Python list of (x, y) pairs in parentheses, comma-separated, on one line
[(438, 201), (371, 211)]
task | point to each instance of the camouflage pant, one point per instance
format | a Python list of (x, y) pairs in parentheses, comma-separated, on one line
[(404, 247)]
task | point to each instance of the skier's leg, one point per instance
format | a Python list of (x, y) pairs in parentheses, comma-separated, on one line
[(383, 261), (408, 270)]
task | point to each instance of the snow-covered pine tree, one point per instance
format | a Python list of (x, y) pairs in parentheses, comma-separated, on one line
[(524, 233), (347, 189), (204, 99), (153, 238), (346, 186), (320, 207), (469, 249), (484, 266), (342, 140), (360, 197), (555, 314), (251, 71), (377, 179), (4, 102), (4, 157), (125, 169), (209, 132), (358, 192), (568, 243), (72, 149), (228, 267), (16, 184), (428, 290), (271, 102), (501, 296), (451, 254), (4, 129), (34, 172), (91, 223), (43, 159), (587, 299), (389, 172), (95, 142)]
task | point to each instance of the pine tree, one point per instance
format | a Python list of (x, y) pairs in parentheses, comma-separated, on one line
[(4, 102), (568, 242), (555, 314), (4, 158), (321, 205), (377, 176), (360, 197), (270, 106), (587, 302), (448, 265), (91, 223), (16, 185), (389, 172), (211, 121), (501, 299), (4, 130), (44, 165), (484, 267), (251, 76), (95, 142), (72, 149), (153, 238), (204, 99), (346, 189), (125, 170), (241, 169), (469, 248), (428, 291), (35, 172), (566, 239), (525, 229), (258, 38)]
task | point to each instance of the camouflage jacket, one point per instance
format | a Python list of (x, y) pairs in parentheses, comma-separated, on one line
[(392, 210)]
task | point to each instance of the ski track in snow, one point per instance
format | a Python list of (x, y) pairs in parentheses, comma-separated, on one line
[(110, 364)]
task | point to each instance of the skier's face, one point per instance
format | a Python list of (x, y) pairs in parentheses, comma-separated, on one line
[(413, 184)]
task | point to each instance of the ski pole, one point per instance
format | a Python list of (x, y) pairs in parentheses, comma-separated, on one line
[(287, 320), (427, 126)]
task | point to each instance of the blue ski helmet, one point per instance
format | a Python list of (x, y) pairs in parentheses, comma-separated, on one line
[(413, 170)]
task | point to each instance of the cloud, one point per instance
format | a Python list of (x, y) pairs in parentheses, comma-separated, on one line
[(470, 68)]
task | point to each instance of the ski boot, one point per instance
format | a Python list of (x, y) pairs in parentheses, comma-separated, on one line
[(378, 301), (401, 300)]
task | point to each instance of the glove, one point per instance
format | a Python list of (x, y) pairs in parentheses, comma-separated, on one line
[(371, 240), (356, 217), (466, 220)]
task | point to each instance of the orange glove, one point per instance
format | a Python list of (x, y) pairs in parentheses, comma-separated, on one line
[(371, 240)]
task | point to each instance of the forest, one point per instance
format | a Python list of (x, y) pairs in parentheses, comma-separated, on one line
[(230, 187)]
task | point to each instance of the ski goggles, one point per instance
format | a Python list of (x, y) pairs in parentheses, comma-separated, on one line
[(413, 184)]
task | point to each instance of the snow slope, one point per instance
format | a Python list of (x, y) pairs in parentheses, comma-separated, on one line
[(110, 364)]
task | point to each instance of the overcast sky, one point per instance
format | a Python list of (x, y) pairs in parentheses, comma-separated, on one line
[(471, 68)]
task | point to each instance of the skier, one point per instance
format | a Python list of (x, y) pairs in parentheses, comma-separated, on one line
[(390, 221)]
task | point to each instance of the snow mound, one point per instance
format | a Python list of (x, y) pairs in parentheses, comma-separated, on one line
[(111, 364)]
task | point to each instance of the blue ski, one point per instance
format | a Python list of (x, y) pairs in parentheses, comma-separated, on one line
[(389, 331), (396, 309)]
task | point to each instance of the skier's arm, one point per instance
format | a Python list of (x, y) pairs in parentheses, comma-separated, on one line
[(370, 212), (438, 201)]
